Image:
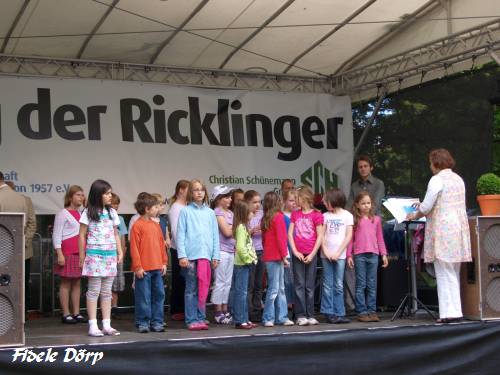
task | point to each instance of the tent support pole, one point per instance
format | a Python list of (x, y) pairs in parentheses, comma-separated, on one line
[(381, 98)]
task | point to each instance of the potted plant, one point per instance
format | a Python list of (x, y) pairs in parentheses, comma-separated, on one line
[(488, 190)]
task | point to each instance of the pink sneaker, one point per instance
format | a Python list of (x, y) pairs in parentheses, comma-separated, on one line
[(197, 326)]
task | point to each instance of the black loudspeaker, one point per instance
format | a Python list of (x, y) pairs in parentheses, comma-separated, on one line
[(480, 279), (11, 279), (392, 284)]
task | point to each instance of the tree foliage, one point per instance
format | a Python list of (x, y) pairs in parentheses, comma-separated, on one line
[(455, 113)]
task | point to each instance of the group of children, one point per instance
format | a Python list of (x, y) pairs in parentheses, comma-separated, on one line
[(233, 243)]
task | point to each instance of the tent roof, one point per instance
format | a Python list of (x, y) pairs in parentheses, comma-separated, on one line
[(319, 39)]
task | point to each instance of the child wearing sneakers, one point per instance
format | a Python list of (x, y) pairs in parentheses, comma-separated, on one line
[(100, 251), (305, 235), (149, 263), (198, 249), (338, 233), (245, 257), (223, 274), (274, 241)]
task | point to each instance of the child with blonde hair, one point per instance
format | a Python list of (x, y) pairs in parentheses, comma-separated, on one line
[(198, 248), (244, 258), (305, 235)]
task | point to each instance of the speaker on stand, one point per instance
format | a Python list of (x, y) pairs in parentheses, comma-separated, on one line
[(11, 279), (480, 279)]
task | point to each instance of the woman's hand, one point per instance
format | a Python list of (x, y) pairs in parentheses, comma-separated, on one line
[(385, 261), (415, 215), (184, 262), (350, 262), (411, 216)]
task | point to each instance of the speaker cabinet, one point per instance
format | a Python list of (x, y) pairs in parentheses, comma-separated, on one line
[(392, 284), (480, 279), (11, 279)]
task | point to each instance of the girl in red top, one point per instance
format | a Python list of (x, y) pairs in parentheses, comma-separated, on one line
[(65, 240), (274, 241)]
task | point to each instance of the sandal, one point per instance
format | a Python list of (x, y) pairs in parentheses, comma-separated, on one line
[(110, 332), (80, 318), (95, 332), (68, 319)]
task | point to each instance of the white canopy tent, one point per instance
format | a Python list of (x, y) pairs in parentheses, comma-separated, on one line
[(352, 47)]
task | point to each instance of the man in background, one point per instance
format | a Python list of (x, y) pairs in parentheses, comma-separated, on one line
[(368, 182), (376, 188)]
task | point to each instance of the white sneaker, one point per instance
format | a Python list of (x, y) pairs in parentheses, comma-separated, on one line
[(302, 321), (269, 324), (312, 321), (288, 322)]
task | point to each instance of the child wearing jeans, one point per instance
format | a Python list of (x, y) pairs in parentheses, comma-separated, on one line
[(100, 251), (274, 240), (305, 236), (149, 263), (198, 248), (337, 235), (245, 257), (256, 277), (366, 246)]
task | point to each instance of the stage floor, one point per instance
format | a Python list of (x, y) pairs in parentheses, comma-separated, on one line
[(405, 346), (51, 332)]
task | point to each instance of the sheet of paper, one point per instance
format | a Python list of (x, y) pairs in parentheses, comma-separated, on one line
[(400, 207)]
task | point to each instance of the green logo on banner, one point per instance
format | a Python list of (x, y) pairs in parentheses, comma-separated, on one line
[(319, 178)]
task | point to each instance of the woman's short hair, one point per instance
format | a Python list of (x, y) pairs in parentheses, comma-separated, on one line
[(441, 158)]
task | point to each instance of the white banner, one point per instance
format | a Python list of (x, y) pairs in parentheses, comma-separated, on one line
[(145, 137)]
